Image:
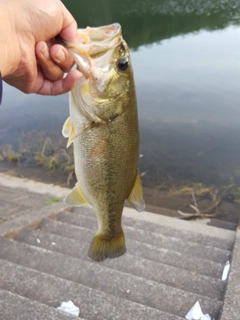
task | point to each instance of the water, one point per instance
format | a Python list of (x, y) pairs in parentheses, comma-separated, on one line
[(186, 61)]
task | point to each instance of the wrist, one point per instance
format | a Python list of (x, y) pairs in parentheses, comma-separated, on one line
[(9, 44)]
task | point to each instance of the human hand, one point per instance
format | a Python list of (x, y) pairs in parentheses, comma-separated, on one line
[(53, 62), (31, 26)]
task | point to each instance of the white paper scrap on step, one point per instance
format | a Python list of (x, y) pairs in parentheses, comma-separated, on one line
[(226, 271), (70, 308), (196, 313)]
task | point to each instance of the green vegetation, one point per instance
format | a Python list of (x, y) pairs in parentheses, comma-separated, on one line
[(7, 153), (51, 201), (237, 195), (38, 149)]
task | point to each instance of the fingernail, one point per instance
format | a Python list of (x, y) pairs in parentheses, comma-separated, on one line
[(45, 51), (59, 56)]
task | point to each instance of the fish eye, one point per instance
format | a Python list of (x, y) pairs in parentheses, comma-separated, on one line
[(122, 64)]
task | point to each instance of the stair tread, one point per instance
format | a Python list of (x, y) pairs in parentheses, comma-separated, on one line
[(85, 219), (87, 231), (82, 271), (152, 255), (13, 306), (94, 304), (231, 307), (178, 228)]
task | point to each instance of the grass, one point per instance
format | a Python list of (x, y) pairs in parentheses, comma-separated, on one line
[(7, 153), (38, 149), (52, 201)]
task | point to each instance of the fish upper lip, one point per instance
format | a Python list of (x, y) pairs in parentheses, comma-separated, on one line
[(102, 33), (97, 37), (92, 42)]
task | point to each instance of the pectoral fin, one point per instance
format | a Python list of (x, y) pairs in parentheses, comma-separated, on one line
[(136, 195), (76, 197), (68, 131)]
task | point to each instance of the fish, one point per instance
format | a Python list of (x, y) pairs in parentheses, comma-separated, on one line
[(103, 128)]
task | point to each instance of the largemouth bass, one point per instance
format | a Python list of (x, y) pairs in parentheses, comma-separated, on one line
[(103, 127)]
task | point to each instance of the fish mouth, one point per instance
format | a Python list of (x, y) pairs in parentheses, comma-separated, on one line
[(95, 46)]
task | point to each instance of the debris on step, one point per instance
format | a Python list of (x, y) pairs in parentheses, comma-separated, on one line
[(196, 313), (69, 307), (226, 271)]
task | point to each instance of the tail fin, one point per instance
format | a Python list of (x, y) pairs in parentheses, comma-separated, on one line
[(101, 248)]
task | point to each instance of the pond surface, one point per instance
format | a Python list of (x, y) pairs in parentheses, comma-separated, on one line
[(186, 61)]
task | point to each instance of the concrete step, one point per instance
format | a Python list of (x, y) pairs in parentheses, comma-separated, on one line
[(222, 239), (13, 306), (56, 264), (231, 307), (224, 242), (140, 259), (156, 239), (94, 304), (169, 265)]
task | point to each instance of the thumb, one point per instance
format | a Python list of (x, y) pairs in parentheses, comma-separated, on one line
[(69, 26)]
